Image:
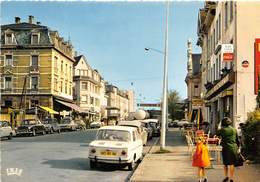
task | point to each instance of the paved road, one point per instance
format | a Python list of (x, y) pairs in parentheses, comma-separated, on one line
[(56, 158)]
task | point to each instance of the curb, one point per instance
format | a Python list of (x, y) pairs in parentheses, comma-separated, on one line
[(149, 152)]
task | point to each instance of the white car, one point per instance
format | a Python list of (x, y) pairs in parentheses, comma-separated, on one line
[(6, 130), (137, 124), (183, 123), (117, 145)]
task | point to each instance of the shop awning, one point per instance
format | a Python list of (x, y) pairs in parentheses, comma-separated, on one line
[(51, 111), (73, 106)]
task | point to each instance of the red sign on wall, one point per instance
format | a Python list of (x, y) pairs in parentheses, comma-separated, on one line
[(257, 64), (228, 57)]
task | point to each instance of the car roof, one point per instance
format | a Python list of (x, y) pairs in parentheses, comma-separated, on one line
[(152, 120), (125, 128), (135, 123)]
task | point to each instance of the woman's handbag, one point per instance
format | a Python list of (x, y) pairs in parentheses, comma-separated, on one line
[(240, 160)]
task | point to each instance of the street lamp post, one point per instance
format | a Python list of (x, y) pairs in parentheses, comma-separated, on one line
[(165, 81)]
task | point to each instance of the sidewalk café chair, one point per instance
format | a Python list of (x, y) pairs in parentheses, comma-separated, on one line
[(191, 146), (216, 148)]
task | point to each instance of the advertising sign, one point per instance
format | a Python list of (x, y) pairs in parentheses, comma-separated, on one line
[(257, 64), (227, 51)]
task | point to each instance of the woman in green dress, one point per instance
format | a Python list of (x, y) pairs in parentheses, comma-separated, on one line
[(230, 144)]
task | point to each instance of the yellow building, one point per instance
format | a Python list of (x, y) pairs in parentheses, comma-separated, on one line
[(36, 67)]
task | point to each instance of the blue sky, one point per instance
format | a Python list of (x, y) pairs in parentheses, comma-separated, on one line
[(113, 35)]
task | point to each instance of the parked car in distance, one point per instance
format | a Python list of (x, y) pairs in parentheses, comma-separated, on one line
[(117, 145), (67, 124), (80, 124), (154, 123), (136, 124), (183, 123), (148, 127), (6, 130), (95, 124), (173, 123), (51, 125), (30, 127)]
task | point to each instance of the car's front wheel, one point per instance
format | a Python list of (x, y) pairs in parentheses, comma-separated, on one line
[(10, 136), (92, 164)]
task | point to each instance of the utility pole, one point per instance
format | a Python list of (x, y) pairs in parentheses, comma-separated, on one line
[(165, 82)]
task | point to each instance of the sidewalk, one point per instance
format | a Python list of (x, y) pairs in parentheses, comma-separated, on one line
[(176, 166)]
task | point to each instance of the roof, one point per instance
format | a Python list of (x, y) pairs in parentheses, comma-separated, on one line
[(124, 128), (152, 120), (196, 63), (77, 59), (23, 25)]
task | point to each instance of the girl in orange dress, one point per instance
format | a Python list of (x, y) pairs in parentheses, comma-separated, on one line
[(201, 159)]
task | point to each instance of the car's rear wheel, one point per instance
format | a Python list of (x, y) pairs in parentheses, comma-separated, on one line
[(131, 165), (51, 131), (92, 164), (10, 136), (33, 133), (43, 132)]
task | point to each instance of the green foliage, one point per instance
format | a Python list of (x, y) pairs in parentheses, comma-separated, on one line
[(175, 108), (251, 133)]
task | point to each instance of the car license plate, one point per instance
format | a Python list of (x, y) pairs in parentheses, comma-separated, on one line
[(108, 153)]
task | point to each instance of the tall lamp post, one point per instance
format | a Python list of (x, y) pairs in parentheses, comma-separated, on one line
[(165, 81)]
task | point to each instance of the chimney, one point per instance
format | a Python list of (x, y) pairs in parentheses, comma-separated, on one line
[(31, 19), (17, 20), (38, 23)]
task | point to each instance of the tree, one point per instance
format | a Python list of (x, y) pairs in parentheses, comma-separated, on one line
[(175, 107)]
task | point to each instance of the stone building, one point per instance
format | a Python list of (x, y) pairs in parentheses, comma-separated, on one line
[(89, 89), (227, 34), (193, 81), (36, 67), (119, 102)]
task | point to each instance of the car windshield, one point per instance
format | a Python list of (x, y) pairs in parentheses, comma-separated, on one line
[(2, 123), (28, 122), (65, 121), (113, 135), (154, 125)]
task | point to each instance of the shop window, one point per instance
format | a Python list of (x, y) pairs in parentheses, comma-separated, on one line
[(8, 103)]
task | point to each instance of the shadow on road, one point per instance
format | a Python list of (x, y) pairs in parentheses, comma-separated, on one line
[(82, 164), (85, 136)]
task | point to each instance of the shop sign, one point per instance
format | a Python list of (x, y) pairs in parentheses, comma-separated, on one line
[(197, 102), (227, 52), (257, 64)]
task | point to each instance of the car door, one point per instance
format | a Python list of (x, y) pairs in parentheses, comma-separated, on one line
[(6, 129), (138, 144)]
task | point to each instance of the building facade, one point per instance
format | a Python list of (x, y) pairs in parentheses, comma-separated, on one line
[(227, 32), (193, 81), (89, 89), (36, 66), (119, 102)]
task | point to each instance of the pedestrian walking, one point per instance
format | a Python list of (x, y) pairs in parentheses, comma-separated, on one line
[(230, 145), (201, 159)]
